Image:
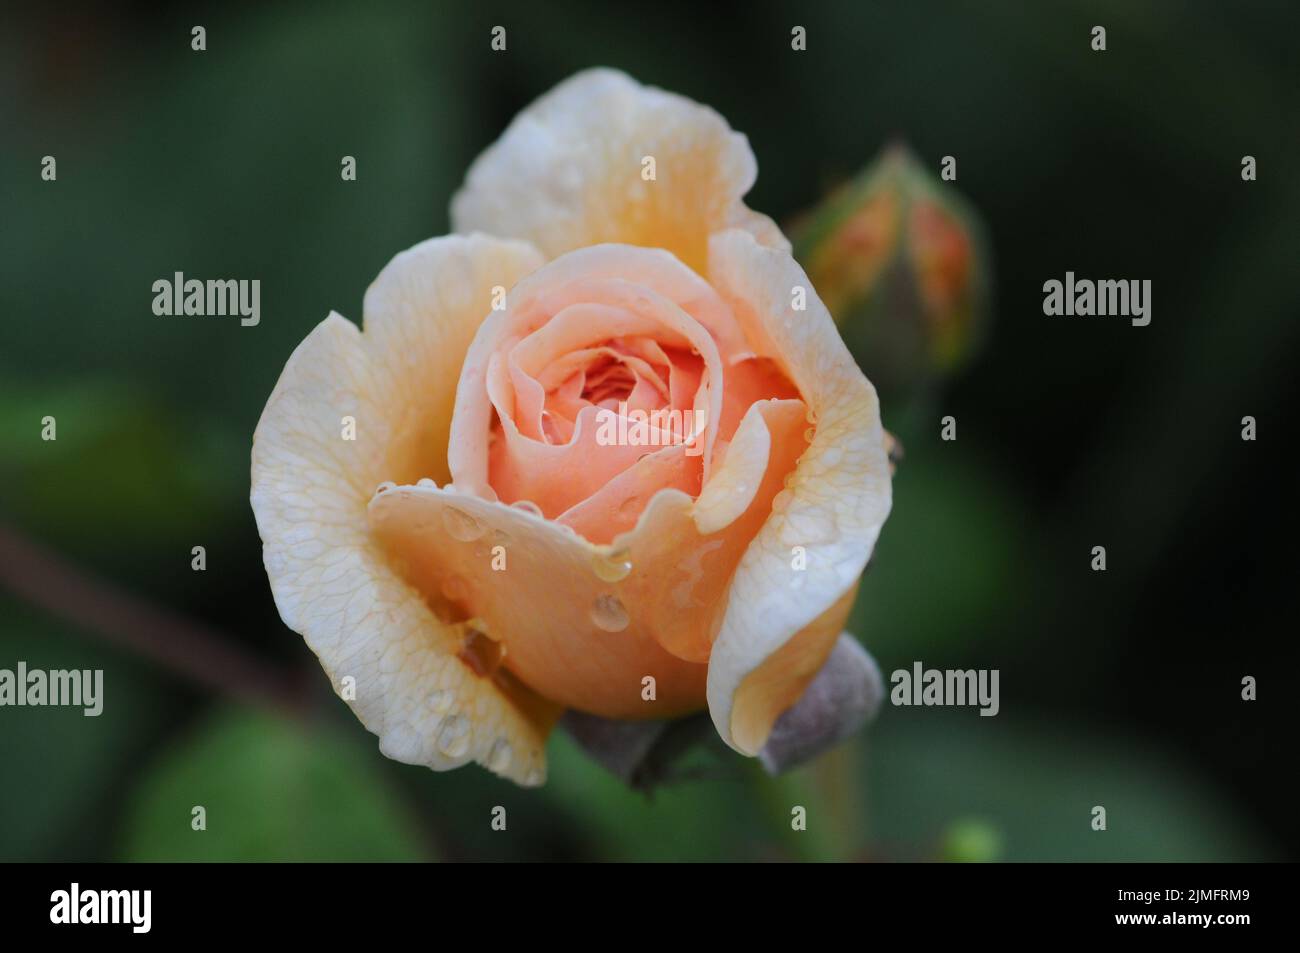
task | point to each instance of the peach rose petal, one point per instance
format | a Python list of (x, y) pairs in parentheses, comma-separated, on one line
[(780, 623), (566, 626), (692, 552), (584, 623), (567, 173), (420, 681)]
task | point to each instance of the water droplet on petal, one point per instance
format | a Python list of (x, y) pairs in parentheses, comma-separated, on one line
[(500, 756), (460, 525), (425, 481), (440, 701), (608, 614), (611, 567), (453, 739)]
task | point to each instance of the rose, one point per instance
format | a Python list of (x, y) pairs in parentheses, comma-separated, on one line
[(440, 521)]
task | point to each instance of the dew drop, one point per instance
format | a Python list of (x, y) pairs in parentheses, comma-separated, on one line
[(611, 567), (461, 525), (608, 614), (453, 739), (440, 701), (500, 756), (425, 481)]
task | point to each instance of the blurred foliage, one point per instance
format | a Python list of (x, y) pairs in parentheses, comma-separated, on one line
[(972, 841), (116, 444), (1122, 164), (270, 790), (65, 774), (1034, 789)]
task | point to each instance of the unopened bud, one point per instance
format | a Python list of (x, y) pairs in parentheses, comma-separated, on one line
[(900, 261)]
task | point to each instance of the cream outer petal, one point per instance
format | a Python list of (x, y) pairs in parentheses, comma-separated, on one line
[(567, 172), (834, 506), (310, 491)]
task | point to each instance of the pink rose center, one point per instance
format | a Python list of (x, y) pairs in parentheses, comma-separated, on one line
[(614, 372)]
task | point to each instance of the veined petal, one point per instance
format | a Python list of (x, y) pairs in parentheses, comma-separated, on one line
[(781, 620), (568, 172), (415, 683)]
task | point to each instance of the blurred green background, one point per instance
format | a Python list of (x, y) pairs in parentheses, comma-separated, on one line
[(1120, 689)]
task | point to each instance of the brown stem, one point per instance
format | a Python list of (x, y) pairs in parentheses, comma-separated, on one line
[(193, 650)]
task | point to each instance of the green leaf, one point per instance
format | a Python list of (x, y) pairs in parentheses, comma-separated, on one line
[(272, 790)]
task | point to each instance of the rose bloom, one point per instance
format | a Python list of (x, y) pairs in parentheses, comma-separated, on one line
[(440, 520)]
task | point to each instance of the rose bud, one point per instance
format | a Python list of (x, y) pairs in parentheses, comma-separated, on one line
[(898, 257), (463, 508)]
